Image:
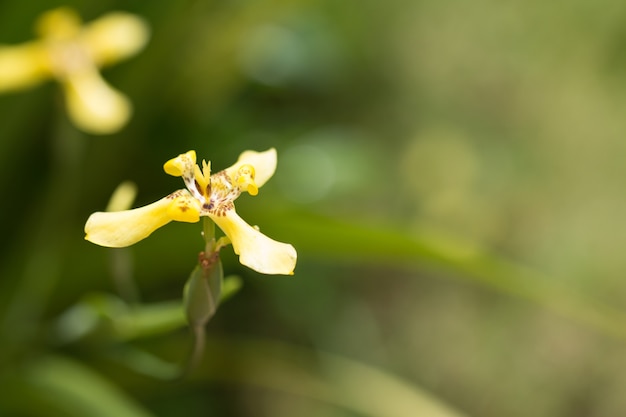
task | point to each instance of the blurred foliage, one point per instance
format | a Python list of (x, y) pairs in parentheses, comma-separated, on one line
[(451, 174)]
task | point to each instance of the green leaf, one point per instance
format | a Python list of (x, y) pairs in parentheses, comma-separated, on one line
[(105, 315), (231, 286), (76, 390), (356, 386), (340, 240)]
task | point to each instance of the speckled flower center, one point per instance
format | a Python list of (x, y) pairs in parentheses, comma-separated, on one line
[(215, 193)]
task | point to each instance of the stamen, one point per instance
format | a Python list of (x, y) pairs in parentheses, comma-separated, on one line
[(206, 170), (192, 186)]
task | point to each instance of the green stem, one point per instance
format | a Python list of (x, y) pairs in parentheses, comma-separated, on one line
[(48, 231), (197, 351), (122, 274), (203, 292), (208, 232)]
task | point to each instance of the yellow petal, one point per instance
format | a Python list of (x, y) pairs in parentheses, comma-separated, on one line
[(115, 36), (125, 228), (93, 105), (264, 164), (23, 66), (184, 207), (59, 23), (256, 250), (183, 164)]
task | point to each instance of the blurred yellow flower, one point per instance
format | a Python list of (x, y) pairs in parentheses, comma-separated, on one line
[(72, 53), (206, 195)]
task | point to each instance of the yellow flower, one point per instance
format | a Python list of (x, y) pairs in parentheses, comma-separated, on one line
[(72, 54), (206, 195)]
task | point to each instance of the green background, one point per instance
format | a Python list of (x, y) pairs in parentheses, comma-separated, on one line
[(451, 173)]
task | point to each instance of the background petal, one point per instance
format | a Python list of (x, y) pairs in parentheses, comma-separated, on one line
[(94, 105), (23, 66), (115, 36)]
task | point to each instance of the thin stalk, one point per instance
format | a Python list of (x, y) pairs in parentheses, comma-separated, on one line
[(208, 233), (202, 294), (48, 230)]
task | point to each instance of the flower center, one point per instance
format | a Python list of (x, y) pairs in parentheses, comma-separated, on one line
[(60, 29), (222, 194), (216, 192), (69, 57)]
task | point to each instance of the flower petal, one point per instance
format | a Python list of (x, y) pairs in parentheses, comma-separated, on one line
[(124, 228), (264, 164), (23, 66), (59, 23), (115, 36), (256, 250), (183, 164), (93, 105)]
